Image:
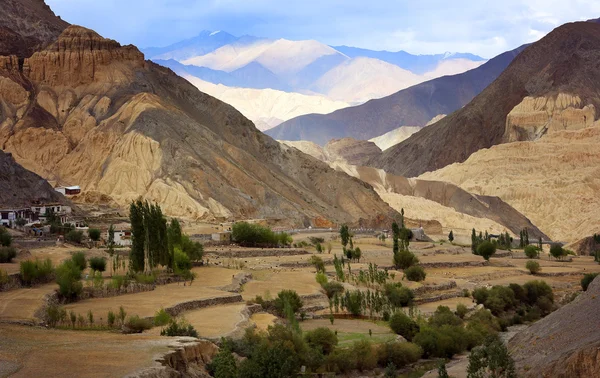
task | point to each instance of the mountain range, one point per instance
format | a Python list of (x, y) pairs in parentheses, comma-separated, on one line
[(306, 67)]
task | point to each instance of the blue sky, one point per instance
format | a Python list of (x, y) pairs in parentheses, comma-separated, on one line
[(482, 27)]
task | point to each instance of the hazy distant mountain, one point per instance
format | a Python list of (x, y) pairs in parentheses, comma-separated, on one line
[(202, 44), (418, 64), (413, 106)]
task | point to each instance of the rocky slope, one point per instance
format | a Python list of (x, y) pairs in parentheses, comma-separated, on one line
[(392, 138), (565, 344), (412, 106), (87, 111), (550, 86), (554, 181), (19, 187), (427, 200)]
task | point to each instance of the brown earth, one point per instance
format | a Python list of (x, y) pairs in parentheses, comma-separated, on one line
[(563, 62), (566, 343), (87, 111)]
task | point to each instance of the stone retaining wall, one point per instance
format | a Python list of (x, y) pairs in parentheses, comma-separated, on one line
[(259, 252), (431, 288), (440, 297), (201, 303)]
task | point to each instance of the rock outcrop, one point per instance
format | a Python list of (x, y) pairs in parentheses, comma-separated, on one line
[(355, 152), (565, 344), (537, 116), (87, 111)]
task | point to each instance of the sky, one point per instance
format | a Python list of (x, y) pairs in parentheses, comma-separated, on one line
[(486, 28)]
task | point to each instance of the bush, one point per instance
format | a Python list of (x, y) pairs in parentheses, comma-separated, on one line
[(7, 254), (444, 316), (486, 249), (398, 295), (193, 250), (223, 364), (318, 263), (399, 353), (321, 278), (255, 235), (442, 342), (111, 318), (147, 279), (415, 273), (587, 280), (290, 297), (161, 318), (94, 234), (403, 325), (405, 259), (74, 236), (536, 290), (68, 278), (79, 260), (179, 328), (492, 359), (532, 252), (5, 237), (98, 264), (135, 324), (557, 251), (36, 271), (182, 261), (322, 339), (461, 310), (364, 355), (332, 288), (354, 302), (3, 277), (533, 266)]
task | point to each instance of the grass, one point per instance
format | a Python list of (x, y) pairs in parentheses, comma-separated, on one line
[(345, 339)]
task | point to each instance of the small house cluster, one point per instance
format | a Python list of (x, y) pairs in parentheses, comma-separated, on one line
[(37, 213)]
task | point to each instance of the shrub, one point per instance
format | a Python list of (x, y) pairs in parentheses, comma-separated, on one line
[(403, 325), (179, 328), (98, 264), (405, 259), (321, 278), (441, 342), (415, 273), (533, 266), (354, 302), (247, 234), (7, 254), (36, 271), (111, 318), (68, 276), (480, 295), (398, 295), (486, 249), (193, 250), (536, 290), (492, 359), (94, 234), (79, 259), (161, 318), (147, 279), (5, 237), (290, 297), (532, 252), (444, 316), (74, 236), (135, 324), (461, 310), (3, 277), (587, 280), (182, 261), (398, 353), (322, 339), (364, 355), (557, 251), (332, 288), (223, 364), (318, 263)]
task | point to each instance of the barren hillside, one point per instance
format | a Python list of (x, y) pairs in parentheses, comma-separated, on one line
[(550, 86), (554, 181), (87, 111)]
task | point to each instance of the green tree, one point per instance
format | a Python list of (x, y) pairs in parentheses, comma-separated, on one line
[(287, 297), (442, 372), (5, 237), (405, 259), (395, 238), (491, 360), (98, 264), (486, 249), (533, 266), (68, 276), (174, 236), (403, 325), (79, 259), (557, 251), (415, 273), (532, 252), (451, 236), (111, 240), (94, 234), (344, 235), (323, 339), (194, 250), (137, 254), (223, 364), (74, 236)]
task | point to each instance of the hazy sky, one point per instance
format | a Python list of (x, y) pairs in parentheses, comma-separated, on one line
[(482, 27)]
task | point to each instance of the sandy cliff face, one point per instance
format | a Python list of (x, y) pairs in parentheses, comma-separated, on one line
[(536, 116), (554, 181), (87, 111)]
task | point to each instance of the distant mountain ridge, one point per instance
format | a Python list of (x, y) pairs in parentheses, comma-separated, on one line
[(413, 106)]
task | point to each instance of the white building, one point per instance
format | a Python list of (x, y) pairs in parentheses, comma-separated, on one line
[(68, 190), (8, 217), (122, 235)]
